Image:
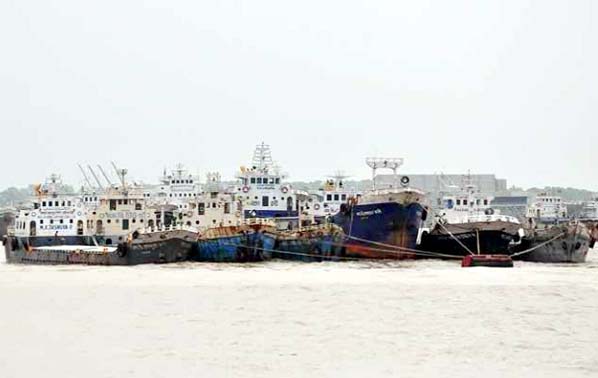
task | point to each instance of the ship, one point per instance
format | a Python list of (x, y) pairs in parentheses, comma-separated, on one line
[(250, 242), (314, 243), (383, 223), (326, 201), (547, 209), (263, 193), (466, 224), (565, 243)]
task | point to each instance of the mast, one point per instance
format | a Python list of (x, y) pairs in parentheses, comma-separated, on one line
[(384, 163), (262, 157)]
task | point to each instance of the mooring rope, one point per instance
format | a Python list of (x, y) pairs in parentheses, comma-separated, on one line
[(395, 248), (539, 245), (454, 237)]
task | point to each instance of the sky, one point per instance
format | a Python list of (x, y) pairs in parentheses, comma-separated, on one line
[(504, 87)]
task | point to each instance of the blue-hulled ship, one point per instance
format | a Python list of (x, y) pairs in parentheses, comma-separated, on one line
[(383, 223), (310, 244), (245, 243)]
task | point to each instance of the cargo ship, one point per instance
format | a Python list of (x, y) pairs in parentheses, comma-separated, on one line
[(383, 223)]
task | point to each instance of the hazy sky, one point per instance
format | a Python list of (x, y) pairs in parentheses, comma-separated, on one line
[(505, 87)]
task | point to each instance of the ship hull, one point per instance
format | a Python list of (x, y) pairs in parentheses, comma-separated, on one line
[(373, 229), (320, 244), (229, 244), (571, 247), (493, 242), (487, 238), (157, 248)]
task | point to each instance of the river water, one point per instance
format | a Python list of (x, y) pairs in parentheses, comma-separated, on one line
[(281, 319)]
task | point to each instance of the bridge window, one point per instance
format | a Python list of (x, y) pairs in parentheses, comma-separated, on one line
[(259, 180), (125, 224), (44, 203), (343, 197), (328, 197), (252, 180), (278, 180), (465, 202), (201, 208), (458, 202), (112, 204), (336, 198)]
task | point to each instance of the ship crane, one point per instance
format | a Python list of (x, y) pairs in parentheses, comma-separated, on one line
[(95, 177), (383, 163), (105, 176), (85, 177)]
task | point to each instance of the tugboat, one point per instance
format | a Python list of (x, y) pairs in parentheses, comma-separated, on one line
[(468, 225), (383, 219)]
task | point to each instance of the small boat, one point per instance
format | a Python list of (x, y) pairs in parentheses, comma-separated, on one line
[(310, 244), (567, 243)]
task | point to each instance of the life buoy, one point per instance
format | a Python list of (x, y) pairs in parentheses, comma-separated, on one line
[(317, 206), (79, 213), (33, 215), (245, 189), (405, 180), (489, 212), (284, 189)]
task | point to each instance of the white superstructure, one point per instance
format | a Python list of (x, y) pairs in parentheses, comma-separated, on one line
[(547, 208), (51, 212), (261, 189)]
